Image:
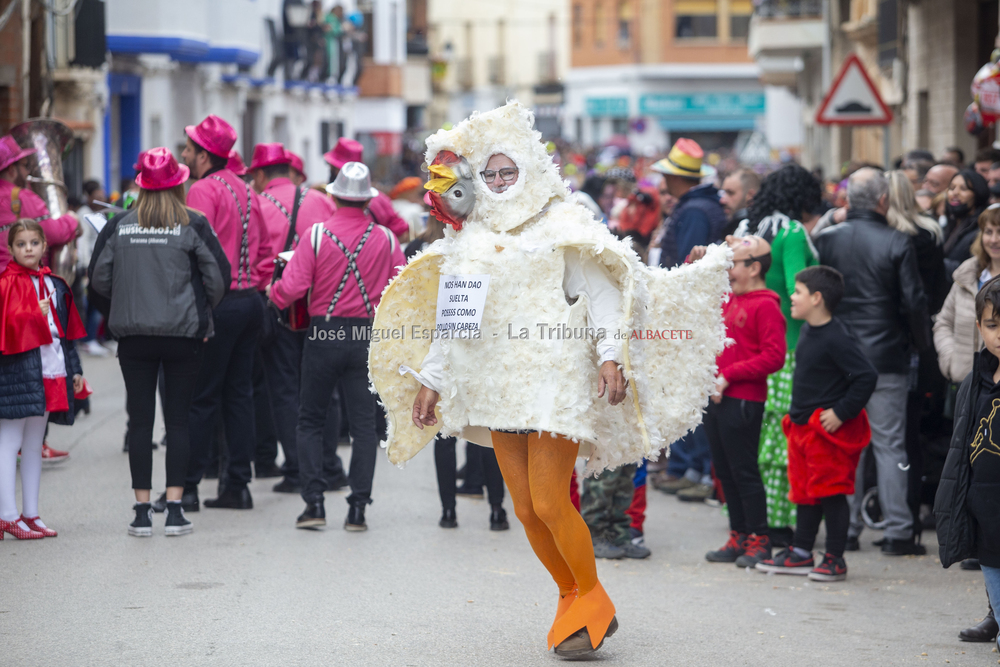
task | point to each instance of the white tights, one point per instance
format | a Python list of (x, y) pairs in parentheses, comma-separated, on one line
[(26, 435)]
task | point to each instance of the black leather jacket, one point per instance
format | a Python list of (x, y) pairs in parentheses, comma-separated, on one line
[(884, 303)]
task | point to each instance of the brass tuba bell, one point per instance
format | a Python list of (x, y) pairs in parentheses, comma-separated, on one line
[(52, 141)]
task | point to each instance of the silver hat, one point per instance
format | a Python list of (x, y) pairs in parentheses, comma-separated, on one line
[(353, 183)]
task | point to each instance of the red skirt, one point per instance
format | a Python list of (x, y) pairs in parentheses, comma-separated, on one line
[(822, 464)]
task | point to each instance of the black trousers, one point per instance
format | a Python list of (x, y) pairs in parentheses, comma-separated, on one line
[(445, 462), (474, 475), (141, 358), (733, 429), (333, 467), (226, 383), (327, 364), (266, 447), (281, 353), (838, 520)]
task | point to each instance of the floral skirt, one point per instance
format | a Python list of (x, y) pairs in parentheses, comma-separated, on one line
[(773, 456)]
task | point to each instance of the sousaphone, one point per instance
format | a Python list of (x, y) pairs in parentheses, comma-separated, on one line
[(52, 141)]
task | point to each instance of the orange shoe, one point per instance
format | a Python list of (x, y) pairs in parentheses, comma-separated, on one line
[(565, 602), (583, 628)]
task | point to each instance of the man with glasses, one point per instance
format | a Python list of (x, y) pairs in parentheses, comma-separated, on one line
[(500, 173)]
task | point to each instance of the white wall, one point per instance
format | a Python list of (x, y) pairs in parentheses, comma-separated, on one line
[(783, 120)]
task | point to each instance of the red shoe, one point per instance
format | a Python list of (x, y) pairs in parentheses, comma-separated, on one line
[(33, 524), (18, 532), (50, 455)]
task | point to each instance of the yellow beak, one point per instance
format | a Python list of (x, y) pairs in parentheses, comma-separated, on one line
[(445, 178)]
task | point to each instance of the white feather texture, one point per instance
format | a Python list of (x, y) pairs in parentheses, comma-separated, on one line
[(506, 130), (671, 320)]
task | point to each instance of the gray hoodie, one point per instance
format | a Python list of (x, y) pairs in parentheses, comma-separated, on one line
[(161, 281)]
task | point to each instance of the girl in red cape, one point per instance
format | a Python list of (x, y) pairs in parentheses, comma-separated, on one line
[(38, 322)]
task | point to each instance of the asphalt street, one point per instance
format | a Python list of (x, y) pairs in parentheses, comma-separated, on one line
[(247, 588)]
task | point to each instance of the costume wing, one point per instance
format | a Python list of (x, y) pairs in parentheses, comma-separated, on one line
[(677, 334), (672, 333), (410, 302)]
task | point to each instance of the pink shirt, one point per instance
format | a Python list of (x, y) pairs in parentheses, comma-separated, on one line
[(244, 248), (385, 214), (378, 262), (58, 231), (313, 208)]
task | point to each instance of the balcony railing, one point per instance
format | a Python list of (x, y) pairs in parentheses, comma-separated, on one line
[(788, 9), (497, 67), (547, 67)]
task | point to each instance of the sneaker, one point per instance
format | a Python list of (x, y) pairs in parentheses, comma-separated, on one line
[(50, 455), (177, 523), (853, 544), (787, 562), (833, 568), (697, 493), (604, 549), (95, 349), (636, 548), (730, 551), (755, 549), (670, 484), (143, 524)]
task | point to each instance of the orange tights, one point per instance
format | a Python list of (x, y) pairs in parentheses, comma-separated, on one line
[(537, 468)]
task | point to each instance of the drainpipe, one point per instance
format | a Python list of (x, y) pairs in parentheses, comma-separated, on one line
[(25, 58)]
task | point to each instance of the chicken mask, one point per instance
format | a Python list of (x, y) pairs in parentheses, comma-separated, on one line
[(451, 192), (507, 130)]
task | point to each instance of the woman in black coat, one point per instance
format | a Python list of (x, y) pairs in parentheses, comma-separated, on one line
[(968, 196)]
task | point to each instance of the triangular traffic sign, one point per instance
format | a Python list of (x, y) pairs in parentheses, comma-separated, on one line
[(853, 99)]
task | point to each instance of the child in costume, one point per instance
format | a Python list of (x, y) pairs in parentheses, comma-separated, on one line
[(826, 427), (38, 322), (733, 420), (526, 373)]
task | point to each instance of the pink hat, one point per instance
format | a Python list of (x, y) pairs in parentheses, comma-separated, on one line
[(235, 164), (346, 150), (266, 155), (138, 162), (160, 170), (214, 135), (11, 152), (296, 163)]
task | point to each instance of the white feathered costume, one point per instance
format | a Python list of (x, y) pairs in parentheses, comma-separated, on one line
[(667, 341)]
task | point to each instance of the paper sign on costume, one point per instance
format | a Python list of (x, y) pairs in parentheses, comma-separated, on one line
[(461, 299)]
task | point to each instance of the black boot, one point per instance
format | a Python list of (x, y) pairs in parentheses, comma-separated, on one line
[(233, 499), (986, 631), (189, 502), (909, 547), (498, 518), (448, 518), (355, 521), (288, 485), (313, 517)]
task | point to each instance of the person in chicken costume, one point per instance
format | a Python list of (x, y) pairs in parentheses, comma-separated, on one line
[(570, 314)]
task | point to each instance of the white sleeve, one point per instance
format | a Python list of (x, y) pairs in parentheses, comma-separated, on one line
[(432, 368), (604, 301)]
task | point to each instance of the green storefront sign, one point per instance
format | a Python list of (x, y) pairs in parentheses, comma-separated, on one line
[(607, 107), (702, 104)]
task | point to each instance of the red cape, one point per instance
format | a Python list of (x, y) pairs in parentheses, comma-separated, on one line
[(23, 327)]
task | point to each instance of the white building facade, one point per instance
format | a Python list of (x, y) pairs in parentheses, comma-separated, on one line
[(175, 61)]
